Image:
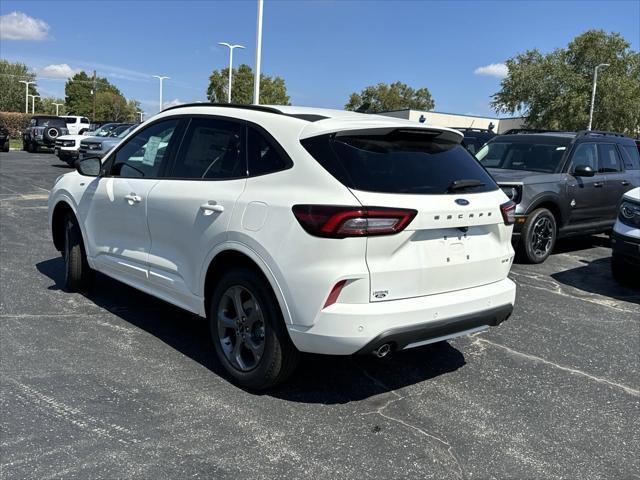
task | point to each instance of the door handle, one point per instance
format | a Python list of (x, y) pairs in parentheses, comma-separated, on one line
[(211, 207), (598, 184), (624, 182), (133, 198)]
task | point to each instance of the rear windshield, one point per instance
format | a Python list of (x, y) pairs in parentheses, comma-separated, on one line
[(51, 122), (400, 162), (535, 157)]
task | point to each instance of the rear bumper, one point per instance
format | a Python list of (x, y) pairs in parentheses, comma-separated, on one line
[(345, 329)]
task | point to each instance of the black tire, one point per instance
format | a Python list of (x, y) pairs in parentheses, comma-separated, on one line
[(28, 147), (6, 146), (78, 276), (279, 357), (538, 237)]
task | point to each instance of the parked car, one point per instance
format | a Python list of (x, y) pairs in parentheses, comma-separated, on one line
[(43, 130), (625, 241), (77, 125), (67, 147), (97, 146), (4, 139), (475, 138), (294, 230), (563, 183)]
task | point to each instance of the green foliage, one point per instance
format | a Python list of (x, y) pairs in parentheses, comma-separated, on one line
[(15, 122), (12, 92), (273, 90), (47, 106), (110, 103), (396, 96), (554, 90)]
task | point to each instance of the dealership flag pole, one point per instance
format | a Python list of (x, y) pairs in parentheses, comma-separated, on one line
[(256, 81)]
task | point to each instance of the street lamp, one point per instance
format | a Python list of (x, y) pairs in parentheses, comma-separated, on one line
[(57, 105), (161, 78), (256, 81), (26, 95), (231, 47), (33, 103), (593, 92), (141, 116)]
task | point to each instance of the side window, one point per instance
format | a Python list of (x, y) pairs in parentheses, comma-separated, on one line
[(263, 156), (84, 120), (631, 157), (33, 122), (212, 148), (585, 154), (143, 154), (608, 159)]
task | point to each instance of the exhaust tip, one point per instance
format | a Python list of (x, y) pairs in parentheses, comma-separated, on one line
[(382, 351)]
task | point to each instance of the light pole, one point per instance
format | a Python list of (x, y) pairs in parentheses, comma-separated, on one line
[(141, 116), (57, 106), (593, 92), (26, 95), (33, 103), (256, 81), (231, 47), (161, 78)]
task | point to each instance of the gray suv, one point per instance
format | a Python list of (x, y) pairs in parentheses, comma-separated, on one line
[(563, 183)]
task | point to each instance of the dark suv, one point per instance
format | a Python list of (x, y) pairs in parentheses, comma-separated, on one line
[(475, 138), (42, 132), (4, 139), (563, 183)]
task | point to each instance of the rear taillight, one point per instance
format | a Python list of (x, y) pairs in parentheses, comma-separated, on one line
[(341, 222), (508, 212)]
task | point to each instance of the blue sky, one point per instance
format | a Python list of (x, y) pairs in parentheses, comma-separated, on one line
[(323, 49)]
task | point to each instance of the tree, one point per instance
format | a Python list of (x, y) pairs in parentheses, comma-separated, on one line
[(47, 106), (273, 90), (554, 90), (133, 107), (79, 97), (12, 92), (396, 96)]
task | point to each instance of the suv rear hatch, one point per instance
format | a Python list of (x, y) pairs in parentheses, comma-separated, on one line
[(458, 238)]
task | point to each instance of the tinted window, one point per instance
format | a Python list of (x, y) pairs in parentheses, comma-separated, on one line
[(608, 160), (263, 156), (143, 154), (84, 120), (69, 119), (211, 148), (631, 157), (399, 162), (51, 122), (536, 157), (585, 154)]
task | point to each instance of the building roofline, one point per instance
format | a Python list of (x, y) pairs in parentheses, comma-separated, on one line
[(446, 113)]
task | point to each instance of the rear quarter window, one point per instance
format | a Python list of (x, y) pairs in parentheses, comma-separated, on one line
[(399, 162), (630, 157)]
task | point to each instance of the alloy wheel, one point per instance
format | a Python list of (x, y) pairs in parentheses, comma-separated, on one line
[(241, 328), (542, 236)]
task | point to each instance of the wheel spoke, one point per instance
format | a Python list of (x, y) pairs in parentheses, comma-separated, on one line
[(225, 321), (237, 302)]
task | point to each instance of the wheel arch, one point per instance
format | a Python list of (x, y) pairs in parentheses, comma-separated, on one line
[(236, 254), (551, 203), (58, 215)]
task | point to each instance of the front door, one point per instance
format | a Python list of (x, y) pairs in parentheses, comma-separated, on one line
[(115, 210), (586, 194)]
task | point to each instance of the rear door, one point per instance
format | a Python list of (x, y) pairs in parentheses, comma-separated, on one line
[(190, 209), (458, 238), (616, 181)]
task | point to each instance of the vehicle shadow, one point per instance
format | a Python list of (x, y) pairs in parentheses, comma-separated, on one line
[(595, 277), (320, 379), (573, 244)]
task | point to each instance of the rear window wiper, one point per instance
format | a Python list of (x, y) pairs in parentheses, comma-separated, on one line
[(462, 184)]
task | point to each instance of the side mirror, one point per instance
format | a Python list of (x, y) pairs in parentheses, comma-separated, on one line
[(583, 171), (89, 167)]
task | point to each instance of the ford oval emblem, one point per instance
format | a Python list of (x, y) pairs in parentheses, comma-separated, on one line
[(462, 201)]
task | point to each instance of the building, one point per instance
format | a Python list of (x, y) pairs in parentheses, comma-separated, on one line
[(454, 120)]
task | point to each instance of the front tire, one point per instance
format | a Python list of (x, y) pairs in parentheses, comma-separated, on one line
[(78, 276), (6, 147), (248, 331), (538, 237)]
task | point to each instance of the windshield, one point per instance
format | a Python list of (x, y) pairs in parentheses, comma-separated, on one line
[(400, 162), (125, 132), (105, 130), (535, 157)]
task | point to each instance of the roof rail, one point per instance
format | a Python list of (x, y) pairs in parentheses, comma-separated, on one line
[(473, 129), (515, 131), (602, 133), (258, 108)]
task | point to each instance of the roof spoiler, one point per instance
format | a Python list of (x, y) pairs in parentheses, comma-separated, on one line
[(449, 135)]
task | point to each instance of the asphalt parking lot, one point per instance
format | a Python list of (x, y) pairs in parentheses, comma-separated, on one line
[(118, 384)]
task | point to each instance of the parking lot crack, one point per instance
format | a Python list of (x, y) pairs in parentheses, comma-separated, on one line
[(629, 390), (381, 411)]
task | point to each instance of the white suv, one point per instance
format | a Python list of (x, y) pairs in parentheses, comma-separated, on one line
[(77, 125), (294, 230)]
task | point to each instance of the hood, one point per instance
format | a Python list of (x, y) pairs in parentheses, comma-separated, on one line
[(501, 175)]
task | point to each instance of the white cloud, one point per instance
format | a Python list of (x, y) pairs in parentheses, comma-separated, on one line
[(498, 70), (19, 26), (60, 70), (173, 103)]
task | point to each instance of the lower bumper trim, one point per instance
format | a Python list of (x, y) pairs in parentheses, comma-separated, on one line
[(414, 336)]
